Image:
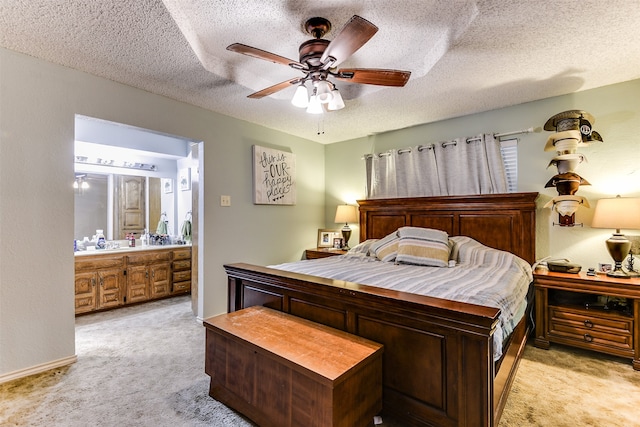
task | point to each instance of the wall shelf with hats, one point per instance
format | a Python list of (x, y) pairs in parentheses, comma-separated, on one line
[(572, 129)]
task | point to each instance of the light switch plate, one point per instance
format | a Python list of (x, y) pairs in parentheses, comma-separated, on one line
[(225, 200)]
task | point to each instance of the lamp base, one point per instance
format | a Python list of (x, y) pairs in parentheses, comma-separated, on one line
[(619, 274), (346, 235), (618, 246)]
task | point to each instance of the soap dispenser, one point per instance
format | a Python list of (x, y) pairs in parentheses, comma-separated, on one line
[(100, 240)]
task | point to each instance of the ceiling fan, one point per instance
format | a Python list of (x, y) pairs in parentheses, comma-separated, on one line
[(319, 59)]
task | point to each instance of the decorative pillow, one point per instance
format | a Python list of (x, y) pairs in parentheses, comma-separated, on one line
[(423, 246), (386, 248), (363, 247)]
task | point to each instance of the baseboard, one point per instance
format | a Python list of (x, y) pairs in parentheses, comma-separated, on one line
[(38, 369)]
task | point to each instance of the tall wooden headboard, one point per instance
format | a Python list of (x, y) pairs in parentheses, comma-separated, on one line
[(501, 221)]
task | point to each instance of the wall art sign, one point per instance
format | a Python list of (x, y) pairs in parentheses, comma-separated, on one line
[(274, 177)]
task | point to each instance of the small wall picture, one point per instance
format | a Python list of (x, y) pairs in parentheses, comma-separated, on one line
[(167, 185), (185, 179), (326, 237)]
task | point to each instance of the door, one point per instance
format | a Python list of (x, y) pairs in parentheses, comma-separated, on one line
[(131, 206)]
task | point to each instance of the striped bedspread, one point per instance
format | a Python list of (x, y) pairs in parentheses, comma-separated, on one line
[(482, 276)]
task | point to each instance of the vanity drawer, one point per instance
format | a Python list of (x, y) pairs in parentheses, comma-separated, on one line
[(149, 257), (182, 265), (180, 276), (181, 287), (100, 261), (181, 254)]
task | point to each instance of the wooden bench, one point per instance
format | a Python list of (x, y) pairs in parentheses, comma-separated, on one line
[(281, 370)]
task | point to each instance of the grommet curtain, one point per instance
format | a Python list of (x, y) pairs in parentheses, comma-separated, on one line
[(462, 166)]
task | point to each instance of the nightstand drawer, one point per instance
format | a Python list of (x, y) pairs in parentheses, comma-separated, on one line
[(591, 328), (592, 320)]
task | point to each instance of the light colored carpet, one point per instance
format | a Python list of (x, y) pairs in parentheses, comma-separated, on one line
[(144, 366)]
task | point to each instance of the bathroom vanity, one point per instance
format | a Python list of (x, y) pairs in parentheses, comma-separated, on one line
[(107, 279)]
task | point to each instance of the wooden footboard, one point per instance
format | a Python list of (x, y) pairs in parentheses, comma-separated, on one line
[(437, 366)]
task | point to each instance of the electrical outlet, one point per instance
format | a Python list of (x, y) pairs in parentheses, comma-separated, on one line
[(225, 200)]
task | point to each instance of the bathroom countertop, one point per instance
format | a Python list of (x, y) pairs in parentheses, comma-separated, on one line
[(128, 249)]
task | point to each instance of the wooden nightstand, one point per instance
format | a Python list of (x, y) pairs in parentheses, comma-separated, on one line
[(322, 253), (568, 312)]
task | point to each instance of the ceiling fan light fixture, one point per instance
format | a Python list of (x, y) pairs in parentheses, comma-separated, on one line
[(323, 91), (314, 106), (336, 102), (301, 97)]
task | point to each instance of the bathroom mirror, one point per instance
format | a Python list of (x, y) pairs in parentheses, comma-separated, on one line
[(118, 204)]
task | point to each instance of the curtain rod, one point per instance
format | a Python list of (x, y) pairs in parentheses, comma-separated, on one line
[(430, 146)]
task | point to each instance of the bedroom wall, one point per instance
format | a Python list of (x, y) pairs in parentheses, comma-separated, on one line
[(38, 102), (613, 166)]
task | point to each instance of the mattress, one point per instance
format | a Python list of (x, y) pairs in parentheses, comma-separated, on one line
[(480, 275)]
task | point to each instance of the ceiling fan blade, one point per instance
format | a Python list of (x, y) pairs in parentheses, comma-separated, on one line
[(374, 76), (273, 89), (263, 54), (352, 37)]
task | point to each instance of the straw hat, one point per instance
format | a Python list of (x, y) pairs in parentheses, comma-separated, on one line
[(566, 142)]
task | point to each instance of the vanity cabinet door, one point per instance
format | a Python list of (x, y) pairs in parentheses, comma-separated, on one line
[(160, 279), (137, 283), (110, 288), (85, 286)]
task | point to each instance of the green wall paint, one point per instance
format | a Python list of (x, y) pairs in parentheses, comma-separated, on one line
[(613, 166)]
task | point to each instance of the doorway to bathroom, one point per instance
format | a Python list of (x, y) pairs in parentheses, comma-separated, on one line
[(137, 183)]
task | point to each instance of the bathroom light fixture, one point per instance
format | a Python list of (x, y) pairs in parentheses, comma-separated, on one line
[(346, 214), (114, 163), (618, 213), (80, 183)]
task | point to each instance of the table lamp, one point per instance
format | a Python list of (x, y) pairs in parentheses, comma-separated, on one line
[(346, 214), (617, 213)]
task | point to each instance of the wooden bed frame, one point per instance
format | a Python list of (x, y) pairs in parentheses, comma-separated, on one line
[(438, 366)]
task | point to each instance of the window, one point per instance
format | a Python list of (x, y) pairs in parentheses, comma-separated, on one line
[(509, 151)]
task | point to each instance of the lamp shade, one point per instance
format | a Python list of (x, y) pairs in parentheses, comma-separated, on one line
[(301, 97), (314, 106), (346, 214), (617, 213), (323, 91), (337, 103)]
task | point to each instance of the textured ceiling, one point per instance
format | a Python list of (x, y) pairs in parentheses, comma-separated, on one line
[(464, 56)]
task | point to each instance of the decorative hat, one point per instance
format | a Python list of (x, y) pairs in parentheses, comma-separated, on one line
[(567, 205), (566, 183), (567, 162), (565, 142), (568, 120)]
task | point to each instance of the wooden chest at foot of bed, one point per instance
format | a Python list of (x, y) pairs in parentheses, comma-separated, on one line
[(281, 370)]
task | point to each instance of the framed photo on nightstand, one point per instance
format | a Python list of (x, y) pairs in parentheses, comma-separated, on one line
[(326, 237)]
